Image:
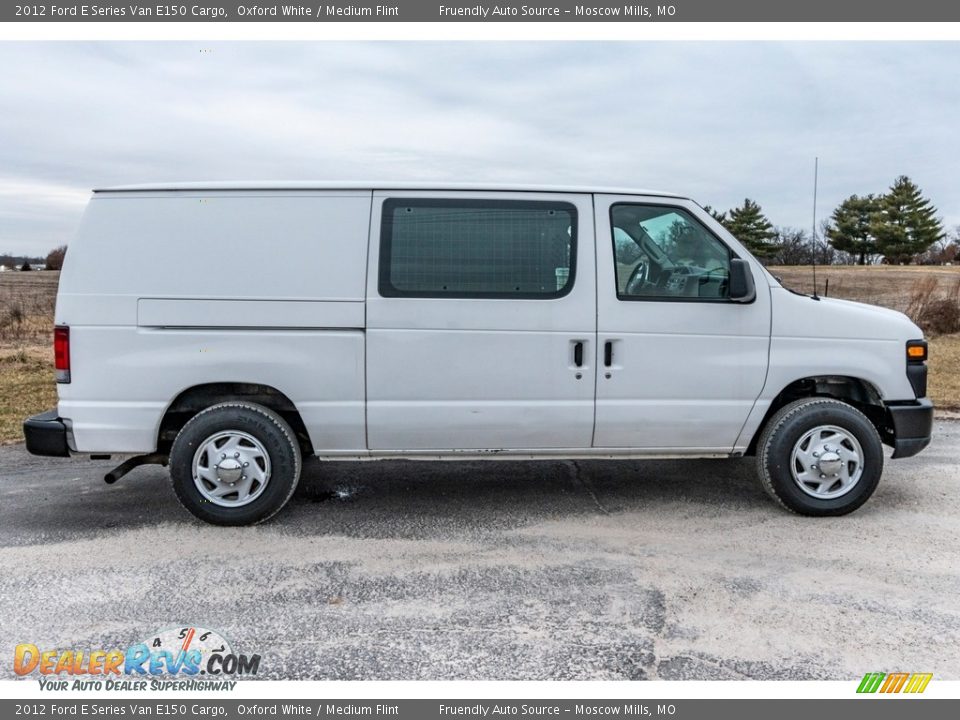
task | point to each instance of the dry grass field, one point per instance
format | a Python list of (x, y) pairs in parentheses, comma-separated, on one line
[(892, 286), (944, 381), (26, 307), (27, 302), (26, 353)]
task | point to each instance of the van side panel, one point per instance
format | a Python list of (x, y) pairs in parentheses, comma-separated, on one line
[(125, 378), (166, 291), (460, 373), (158, 312), (817, 338), (237, 245)]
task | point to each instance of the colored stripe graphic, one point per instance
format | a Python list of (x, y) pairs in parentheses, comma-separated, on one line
[(870, 682), (188, 639), (894, 682), (918, 682)]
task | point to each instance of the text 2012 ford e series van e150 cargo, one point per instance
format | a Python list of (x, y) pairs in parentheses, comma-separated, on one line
[(230, 329)]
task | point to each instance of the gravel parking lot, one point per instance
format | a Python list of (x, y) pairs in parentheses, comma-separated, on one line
[(498, 570)]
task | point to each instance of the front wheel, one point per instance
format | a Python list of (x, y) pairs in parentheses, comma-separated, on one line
[(236, 463), (820, 456)]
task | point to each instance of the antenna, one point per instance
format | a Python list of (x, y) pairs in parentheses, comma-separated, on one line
[(813, 235)]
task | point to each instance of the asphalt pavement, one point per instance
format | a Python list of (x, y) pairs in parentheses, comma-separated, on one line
[(498, 570)]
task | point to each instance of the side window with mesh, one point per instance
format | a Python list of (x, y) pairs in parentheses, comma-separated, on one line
[(477, 248)]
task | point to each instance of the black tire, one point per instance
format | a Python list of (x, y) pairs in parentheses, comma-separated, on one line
[(787, 427), (269, 429)]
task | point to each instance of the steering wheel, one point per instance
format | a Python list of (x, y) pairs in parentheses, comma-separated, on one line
[(638, 278)]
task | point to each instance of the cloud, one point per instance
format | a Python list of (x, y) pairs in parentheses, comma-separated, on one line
[(718, 121)]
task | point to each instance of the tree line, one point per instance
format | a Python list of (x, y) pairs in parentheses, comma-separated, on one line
[(898, 227), (53, 261)]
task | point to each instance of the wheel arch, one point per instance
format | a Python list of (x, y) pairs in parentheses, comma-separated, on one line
[(860, 393), (196, 398)]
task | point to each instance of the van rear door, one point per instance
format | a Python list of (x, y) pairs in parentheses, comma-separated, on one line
[(481, 321)]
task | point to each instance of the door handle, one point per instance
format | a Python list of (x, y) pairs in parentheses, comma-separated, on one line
[(608, 353), (578, 354)]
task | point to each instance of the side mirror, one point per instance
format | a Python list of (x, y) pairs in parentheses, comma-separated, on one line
[(741, 286)]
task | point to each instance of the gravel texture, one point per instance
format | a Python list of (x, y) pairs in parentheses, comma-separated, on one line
[(498, 570)]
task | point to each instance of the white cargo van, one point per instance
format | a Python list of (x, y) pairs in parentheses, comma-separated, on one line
[(229, 330)]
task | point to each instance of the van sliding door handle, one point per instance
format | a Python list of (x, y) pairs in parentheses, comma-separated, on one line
[(578, 354), (608, 353)]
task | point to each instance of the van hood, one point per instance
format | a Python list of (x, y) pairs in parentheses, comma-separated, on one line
[(801, 315)]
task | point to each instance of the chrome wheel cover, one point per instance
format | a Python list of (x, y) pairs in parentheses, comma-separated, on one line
[(231, 468), (827, 462)]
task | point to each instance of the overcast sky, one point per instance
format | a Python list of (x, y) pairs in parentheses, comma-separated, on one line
[(717, 121)]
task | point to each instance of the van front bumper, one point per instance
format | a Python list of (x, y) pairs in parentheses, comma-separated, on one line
[(46, 435), (912, 426)]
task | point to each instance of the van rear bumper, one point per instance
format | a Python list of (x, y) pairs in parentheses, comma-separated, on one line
[(46, 434), (912, 426)]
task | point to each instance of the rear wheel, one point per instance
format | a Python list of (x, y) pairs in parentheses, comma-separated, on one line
[(820, 456), (235, 463)]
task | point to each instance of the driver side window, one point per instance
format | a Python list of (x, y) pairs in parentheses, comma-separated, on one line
[(663, 252)]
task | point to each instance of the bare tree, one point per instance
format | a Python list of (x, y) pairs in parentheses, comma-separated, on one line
[(55, 258), (790, 246)]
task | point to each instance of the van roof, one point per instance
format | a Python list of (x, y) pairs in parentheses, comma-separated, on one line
[(357, 185)]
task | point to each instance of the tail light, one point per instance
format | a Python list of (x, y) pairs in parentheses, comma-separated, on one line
[(61, 353)]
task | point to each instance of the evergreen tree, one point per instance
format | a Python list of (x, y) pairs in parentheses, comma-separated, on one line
[(750, 226), (720, 217), (906, 223), (851, 227)]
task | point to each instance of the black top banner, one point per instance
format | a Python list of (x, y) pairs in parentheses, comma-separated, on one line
[(454, 11)]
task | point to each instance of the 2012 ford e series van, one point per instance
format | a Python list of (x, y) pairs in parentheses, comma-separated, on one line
[(228, 330)]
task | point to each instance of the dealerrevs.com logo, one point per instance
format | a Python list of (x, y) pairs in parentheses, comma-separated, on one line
[(182, 658), (898, 682)]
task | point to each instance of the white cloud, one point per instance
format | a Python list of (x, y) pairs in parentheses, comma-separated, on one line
[(719, 121)]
